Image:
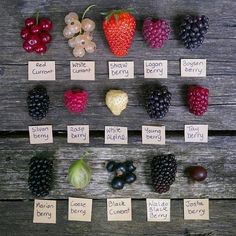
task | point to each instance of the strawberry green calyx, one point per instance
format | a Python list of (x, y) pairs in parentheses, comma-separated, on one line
[(116, 13)]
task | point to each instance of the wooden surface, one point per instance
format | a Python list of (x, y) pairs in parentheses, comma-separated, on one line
[(218, 155)]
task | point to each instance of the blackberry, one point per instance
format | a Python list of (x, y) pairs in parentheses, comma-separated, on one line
[(38, 103), (193, 30), (158, 102), (40, 175), (163, 170)]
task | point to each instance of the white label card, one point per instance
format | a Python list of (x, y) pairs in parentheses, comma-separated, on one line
[(153, 135), (40, 134), (44, 211), (121, 70), (119, 209), (78, 133), (116, 135), (193, 67), (155, 69), (80, 209), (196, 209), (196, 133), (41, 70), (82, 70), (158, 210)]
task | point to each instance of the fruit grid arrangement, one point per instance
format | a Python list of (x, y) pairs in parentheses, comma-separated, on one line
[(119, 28)]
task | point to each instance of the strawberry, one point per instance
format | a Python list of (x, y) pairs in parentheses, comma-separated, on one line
[(119, 28)]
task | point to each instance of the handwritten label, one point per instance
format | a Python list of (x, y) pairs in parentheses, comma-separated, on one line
[(41, 70), (116, 135), (119, 209), (158, 210), (196, 209), (153, 135), (193, 67), (40, 134), (196, 133), (44, 211), (82, 70), (80, 209), (121, 70), (78, 134), (155, 69)]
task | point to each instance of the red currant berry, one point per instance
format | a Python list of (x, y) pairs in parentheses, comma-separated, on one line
[(24, 33), (28, 47), (45, 37), (36, 29), (33, 40), (30, 22), (46, 24), (40, 48)]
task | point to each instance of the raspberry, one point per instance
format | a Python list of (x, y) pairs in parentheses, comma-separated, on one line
[(158, 102), (76, 101), (197, 100), (163, 170), (193, 30), (155, 32)]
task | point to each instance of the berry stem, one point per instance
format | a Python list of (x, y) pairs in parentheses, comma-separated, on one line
[(37, 17), (87, 9)]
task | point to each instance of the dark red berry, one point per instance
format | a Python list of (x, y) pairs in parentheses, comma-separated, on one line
[(197, 173), (33, 40), (28, 47), (36, 29), (40, 48), (30, 22), (46, 24), (198, 100), (45, 37), (24, 33)]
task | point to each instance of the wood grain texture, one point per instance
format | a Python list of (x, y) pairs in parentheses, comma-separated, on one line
[(218, 49), (16, 219), (217, 156)]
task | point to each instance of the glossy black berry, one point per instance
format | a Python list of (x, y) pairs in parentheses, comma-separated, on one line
[(38, 103), (130, 178), (120, 169), (163, 170), (118, 182), (130, 166), (193, 30), (40, 176), (111, 166), (158, 102)]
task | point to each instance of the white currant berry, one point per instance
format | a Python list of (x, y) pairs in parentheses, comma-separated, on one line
[(81, 40), (67, 33), (88, 25), (71, 42), (91, 47), (71, 16), (78, 51), (74, 26), (88, 35)]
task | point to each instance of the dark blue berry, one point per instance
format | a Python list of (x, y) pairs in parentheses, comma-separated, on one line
[(118, 182), (111, 166), (130, 166), (130, 178), (120, 169)]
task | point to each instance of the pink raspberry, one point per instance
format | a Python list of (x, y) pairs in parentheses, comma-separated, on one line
[(198, 100), (155, 32), (76, 101)]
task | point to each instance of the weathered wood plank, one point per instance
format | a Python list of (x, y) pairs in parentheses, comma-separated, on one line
[(16, 219), (217, 156), (14, 115)]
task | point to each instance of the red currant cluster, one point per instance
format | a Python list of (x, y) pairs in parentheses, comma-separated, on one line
[(36, 34), (79, 33)]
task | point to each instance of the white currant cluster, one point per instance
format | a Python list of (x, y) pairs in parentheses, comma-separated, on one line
[(79, 34)]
